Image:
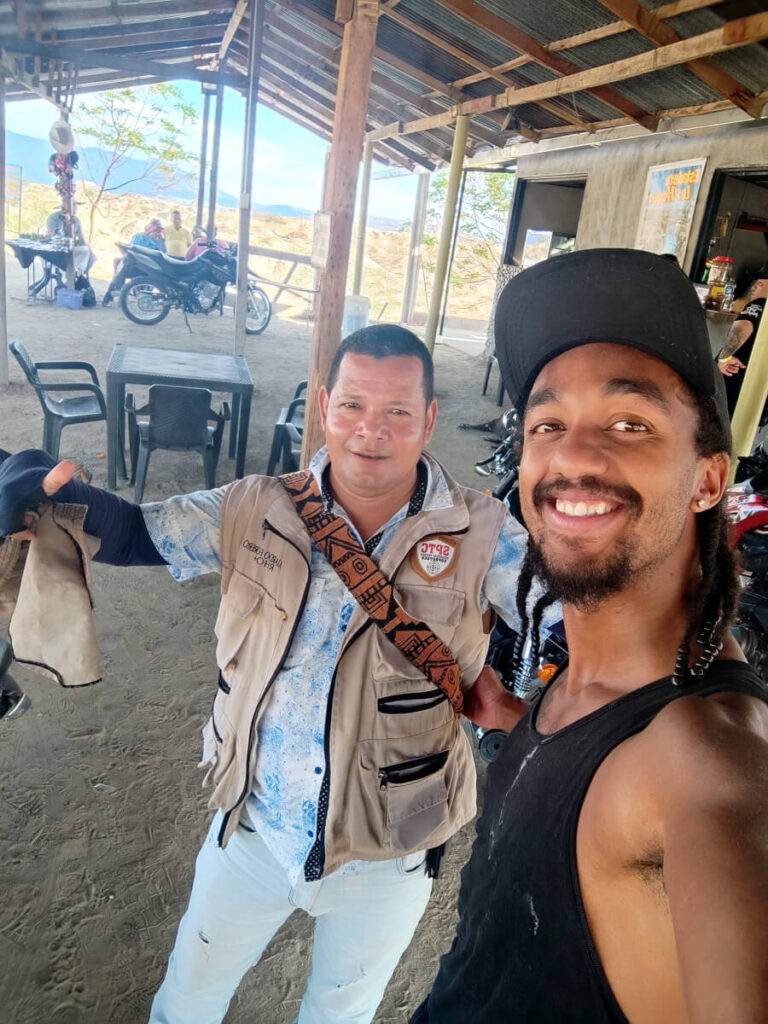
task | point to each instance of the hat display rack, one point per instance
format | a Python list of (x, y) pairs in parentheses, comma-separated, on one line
[(63, 163)]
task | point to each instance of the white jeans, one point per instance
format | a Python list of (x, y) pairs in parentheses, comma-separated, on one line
[(240, 897)]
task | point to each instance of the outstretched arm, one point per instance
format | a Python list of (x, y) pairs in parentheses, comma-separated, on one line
[(31, 477)]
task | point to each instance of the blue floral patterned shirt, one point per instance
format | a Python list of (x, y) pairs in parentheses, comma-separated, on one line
[(290, 762)]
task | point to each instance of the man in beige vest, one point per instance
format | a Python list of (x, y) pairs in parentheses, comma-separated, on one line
[(337, 769)]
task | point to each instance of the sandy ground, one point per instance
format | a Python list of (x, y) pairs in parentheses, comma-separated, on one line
[(101, 808)]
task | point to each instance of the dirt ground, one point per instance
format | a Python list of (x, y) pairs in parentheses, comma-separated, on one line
[(101, 807)]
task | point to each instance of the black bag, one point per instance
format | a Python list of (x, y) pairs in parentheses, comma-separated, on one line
[(82, 284)]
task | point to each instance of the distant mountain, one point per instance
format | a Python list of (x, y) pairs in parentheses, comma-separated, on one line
[(33, 155)]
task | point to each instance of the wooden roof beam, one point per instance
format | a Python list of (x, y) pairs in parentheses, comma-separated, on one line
[(562, 112), (139, 40), (485, 19), (116, 62), (73, 17), (730, 36), (648, 24), (613, 28), (417, 74), (234, 24)]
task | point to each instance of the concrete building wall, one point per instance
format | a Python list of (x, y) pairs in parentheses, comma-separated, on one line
[(616, 173)]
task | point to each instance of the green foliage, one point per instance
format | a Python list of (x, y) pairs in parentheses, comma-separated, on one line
[(148, 123), (484, 214)]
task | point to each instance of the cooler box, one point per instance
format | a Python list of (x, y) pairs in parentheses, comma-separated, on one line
[(356, 311), (69, 298)]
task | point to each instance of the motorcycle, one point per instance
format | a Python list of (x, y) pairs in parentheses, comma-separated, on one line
[(157, 283)]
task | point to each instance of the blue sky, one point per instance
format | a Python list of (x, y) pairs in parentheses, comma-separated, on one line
[(289, 159)]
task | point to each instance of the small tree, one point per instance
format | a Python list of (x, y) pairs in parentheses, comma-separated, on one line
[(484, 213), (149, 124)]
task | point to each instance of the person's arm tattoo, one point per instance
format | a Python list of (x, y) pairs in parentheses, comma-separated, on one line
[(738, 334)]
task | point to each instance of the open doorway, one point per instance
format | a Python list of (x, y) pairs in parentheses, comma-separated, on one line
[(735, 225), (544, 220)]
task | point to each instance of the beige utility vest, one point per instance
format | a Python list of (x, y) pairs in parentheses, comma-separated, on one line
[(401, 772)]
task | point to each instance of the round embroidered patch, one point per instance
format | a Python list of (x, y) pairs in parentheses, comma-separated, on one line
[(433, 557)]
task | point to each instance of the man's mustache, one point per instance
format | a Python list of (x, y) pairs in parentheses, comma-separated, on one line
[(628, 496)]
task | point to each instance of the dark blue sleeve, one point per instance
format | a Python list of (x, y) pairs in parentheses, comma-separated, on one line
[(118, 524)]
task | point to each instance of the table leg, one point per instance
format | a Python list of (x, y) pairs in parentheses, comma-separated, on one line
[(113, 431), (242, 434), (233, 424)]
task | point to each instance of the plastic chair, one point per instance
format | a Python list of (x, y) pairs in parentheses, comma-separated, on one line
[(86, 407), (286, 439), (178, 420)]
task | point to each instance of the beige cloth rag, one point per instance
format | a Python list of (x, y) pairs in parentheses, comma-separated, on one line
[(52, 627)]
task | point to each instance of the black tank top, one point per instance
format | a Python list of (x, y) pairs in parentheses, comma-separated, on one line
[(523, 951)]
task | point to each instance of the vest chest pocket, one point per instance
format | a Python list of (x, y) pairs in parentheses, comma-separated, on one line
[(237, 610)]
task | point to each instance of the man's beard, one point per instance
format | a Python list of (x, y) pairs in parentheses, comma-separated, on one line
[(584, 585)]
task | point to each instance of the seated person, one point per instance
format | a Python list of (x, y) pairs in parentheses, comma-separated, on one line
[(56, 224), (152, 237), (177, 238), (201, 243)]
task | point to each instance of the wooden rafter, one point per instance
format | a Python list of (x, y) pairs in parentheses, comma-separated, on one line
[(70, 16), (417, 74), (553, 108), (613, 28), (648, 24), (234, 24), (492, 23), (734, 34), (116, 62)]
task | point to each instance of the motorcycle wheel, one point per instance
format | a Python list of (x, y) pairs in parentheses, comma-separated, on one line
[(143, 302), (490, 744), (259, 311)]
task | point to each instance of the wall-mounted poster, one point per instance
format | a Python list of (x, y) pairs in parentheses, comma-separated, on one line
[(670, 197)]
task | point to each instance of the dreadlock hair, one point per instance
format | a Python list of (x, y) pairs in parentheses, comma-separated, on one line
[(716, 601)]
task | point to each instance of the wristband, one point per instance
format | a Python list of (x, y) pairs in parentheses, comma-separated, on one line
[(726, 360)]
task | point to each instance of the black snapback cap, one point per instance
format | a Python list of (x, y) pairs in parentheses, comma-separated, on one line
[(620, 296)]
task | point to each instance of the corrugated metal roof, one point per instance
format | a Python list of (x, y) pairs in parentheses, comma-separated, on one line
[(431, 45)]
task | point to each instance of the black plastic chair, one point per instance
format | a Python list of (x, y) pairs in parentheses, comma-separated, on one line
[(86, 407), (286, 439), (178, 420)]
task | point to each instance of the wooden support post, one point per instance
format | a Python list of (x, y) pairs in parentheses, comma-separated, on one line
[(211, 225), (255, 38), (754, 391), (203, 155), (414, 248), (3, 310), (346, 149), (362, 217), (446, 232)]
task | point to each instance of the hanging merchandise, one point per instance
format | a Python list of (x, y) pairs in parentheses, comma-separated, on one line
[(61, 136)]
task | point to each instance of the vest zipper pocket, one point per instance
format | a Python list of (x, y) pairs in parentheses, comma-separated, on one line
[(411, 771), (406, 703)]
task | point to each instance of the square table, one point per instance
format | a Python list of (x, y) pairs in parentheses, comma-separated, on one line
[(218, 371)]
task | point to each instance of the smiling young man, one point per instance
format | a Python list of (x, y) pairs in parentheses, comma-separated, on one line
[(336, 760), (620, 871)]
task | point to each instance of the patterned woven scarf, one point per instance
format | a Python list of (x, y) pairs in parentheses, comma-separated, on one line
[(371, 588)]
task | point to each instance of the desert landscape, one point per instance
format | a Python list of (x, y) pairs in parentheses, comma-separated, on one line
[(118, 217)]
